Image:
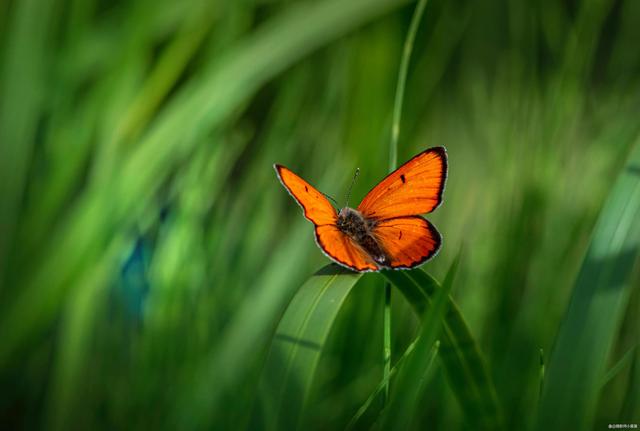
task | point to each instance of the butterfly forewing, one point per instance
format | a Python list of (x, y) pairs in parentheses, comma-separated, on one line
[(414, 188), (316, 207), (321, 213)]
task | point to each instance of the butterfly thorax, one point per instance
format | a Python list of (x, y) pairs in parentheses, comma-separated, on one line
[(360, 229)]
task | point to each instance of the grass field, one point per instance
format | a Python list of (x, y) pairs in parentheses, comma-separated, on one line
[(154, 274)]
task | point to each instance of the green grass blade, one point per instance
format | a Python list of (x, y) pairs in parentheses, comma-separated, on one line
[(631, 408), (626, 359), (22, 88), (358, 419), (77, 328), (366, 409), (245, 338), (402, 79), (393, 162), (298, 343), (460, 356), (596, 309), (412, 376), (541, 376)]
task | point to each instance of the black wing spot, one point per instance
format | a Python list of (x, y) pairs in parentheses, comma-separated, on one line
[(306, 189), (400, 236), (402, 177)]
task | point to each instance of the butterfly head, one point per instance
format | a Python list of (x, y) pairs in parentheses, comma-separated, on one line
[(344, 211), (348, 217), (353, 223)]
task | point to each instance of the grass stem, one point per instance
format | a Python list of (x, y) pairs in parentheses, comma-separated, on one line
[(402, 79), (393, 162), (387, 341)]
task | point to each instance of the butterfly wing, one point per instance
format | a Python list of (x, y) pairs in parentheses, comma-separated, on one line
[(407, 241), (317, 208), (414, 188), (320, 212), (342, 249)]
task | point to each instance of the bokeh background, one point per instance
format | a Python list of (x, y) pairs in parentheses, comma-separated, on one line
[(148, 252)]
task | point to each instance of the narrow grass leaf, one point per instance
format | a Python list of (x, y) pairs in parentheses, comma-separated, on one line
[(460, 355), (541, 376), (246, 336), (77, 326), (411, 377), (596, 309), (299, 342), (366, 408), (631, 408), (393, 162), (626, 359), (23, 75)]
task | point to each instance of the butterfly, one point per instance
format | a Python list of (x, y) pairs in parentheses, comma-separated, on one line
[(385, 230)]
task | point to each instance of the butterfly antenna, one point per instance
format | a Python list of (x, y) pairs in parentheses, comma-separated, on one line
[(355, 177)]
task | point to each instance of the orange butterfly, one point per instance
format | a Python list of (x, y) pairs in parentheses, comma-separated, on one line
[(385, 231)]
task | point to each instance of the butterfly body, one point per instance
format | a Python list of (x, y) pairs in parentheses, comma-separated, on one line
[(385, 230), (360, 229)]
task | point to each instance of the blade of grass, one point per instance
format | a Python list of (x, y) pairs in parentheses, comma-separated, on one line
[(412, 375), (393, 162), (245, 337), (299, 342), (356, 421), (168, 70), (625, 360), (402, 80), (596, 308), (541, 376), (78, 324), (23, 88), (460, 356), (366, 415), (386, 342), (631, 408)]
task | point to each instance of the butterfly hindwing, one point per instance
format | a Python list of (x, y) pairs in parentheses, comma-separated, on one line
[(414, 188), (315, 205), (407, 241), (342, 249)]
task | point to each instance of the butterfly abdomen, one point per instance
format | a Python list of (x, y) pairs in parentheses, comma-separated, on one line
[(358, 228), (371, 246)]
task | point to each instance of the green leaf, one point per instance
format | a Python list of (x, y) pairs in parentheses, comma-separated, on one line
[(631, 407), (246, 337), (23, 86), (412, 376), (460, 356), (626, 359), (366, 409), (596, 309), (298, 343)]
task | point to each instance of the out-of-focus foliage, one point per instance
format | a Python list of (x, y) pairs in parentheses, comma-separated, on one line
[(148, 252)]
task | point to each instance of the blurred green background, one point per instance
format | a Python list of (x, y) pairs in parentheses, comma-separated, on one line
[(148, 252)]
